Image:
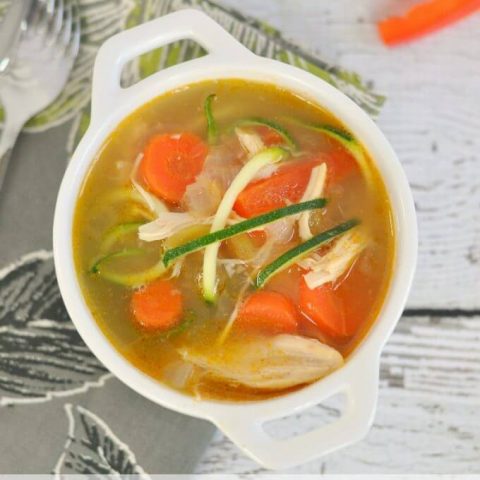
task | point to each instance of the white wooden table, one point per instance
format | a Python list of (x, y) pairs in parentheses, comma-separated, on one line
[(428, 418)]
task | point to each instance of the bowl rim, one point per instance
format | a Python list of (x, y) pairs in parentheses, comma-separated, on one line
[(109, 111)]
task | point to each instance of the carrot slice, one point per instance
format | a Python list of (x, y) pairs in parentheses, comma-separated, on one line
[(340, 165), (425, 18), (284, 187), (326, 309), (288, 184), (171, 163), (268, 313), (157, 306)]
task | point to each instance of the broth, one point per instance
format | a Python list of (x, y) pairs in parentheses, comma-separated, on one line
[(108, 199)]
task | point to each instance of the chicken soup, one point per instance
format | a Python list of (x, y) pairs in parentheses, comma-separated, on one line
[(233, 240)]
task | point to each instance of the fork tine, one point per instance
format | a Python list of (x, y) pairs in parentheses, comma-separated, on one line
[(12, 28), (53, 32), (66, 33), (74, 46), (34, 15), (57, 20), (41, 21)]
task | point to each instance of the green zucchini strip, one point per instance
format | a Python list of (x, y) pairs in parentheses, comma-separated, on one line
[(348, 141), (244, 177), (244, 226), (264, 122), (127, 279), (181, 327), (212, 128), (334, 132), (293, 255), (117, 232)]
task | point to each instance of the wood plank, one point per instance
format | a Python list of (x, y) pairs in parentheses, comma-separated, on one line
[(427, 417), (431, 117)]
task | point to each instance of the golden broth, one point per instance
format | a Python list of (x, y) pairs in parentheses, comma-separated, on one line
[(106, 200)]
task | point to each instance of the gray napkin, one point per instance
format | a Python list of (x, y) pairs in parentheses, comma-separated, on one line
[(63, 411)]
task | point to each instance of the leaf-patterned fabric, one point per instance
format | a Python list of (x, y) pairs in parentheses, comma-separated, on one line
[(92, 448), (42, 355)]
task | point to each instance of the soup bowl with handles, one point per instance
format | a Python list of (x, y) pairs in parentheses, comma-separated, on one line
[(242, 422)]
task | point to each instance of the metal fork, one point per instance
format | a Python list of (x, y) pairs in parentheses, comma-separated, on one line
[(38, 66)]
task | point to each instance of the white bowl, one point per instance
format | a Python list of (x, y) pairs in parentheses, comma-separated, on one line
[(241, 422)]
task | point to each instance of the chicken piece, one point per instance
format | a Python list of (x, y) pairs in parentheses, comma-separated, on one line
[(269, 363), (331, 266)]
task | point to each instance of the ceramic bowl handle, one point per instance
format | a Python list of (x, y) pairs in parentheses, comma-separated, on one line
[(360, 389), (116, 52)]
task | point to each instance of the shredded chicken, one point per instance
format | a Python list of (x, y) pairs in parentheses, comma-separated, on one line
[(327, 268), (270, 363), (176, 269), (250, 141), (168, 223), (314, 190)]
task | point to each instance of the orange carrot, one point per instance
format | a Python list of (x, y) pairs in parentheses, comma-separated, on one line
[(171, 163), (285, 186), (268, 313), (157, 306), (426, 17), (325, 308)]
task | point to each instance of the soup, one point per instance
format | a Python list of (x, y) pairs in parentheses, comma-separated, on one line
[(233, 240)]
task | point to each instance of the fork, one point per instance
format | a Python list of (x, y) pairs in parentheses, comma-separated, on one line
[(10, 30), (39, 65)]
